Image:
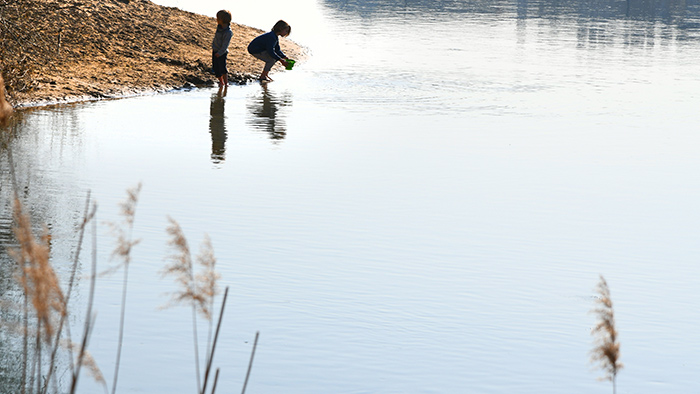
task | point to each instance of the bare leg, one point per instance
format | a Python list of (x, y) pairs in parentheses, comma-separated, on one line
[(265, 77)]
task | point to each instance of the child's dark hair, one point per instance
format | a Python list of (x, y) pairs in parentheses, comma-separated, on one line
[(280, 26), (224, 16)]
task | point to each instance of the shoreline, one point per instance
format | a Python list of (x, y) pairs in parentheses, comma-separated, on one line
[(67, 100), (128, 92), (63, 52)]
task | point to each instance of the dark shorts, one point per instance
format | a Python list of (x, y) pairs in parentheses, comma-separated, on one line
[(219, 64)]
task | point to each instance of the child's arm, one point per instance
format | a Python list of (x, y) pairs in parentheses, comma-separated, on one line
[(279, 52), (273, 48), (225, 43)]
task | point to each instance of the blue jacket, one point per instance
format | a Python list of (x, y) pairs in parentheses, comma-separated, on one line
[(222, 38), (269, 43)]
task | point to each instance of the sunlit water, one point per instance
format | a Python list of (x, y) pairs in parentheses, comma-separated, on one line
[(424, 205)]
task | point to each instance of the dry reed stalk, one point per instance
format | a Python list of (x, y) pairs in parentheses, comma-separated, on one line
[(181, 269), (40, 284), (606, 350), (250, 363), (125, 244), (19, 330), (210, 353), (89, 317), (200, 289), (123, 233), (37, 358), (38, 278), (25, 301), (87, 216), (216, 380), (88, 361), (207, 280), (25, 339), (197, 290)]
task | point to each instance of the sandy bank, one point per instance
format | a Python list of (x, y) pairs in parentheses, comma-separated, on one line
[(73, 50)]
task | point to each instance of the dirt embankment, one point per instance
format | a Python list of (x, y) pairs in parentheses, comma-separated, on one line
[(72, 50)]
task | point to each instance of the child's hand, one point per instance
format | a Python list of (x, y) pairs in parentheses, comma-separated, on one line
[(284, 62)]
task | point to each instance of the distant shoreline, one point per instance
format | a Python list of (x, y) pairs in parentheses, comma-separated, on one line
[(86, 50)]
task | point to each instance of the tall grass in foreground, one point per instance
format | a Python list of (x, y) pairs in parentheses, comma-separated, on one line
[(40, 285), (45, 306), (45, 309), (196, 290), (125, 243), (606, 350)]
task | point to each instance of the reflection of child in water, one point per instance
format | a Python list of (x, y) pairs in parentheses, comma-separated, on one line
[(219, 46), (217, 127), (266, 47)]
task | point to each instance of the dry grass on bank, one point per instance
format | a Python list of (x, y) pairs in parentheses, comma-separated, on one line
[(67, 50), (5, 107)]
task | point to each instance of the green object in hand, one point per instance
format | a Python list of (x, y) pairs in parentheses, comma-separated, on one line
[(290, 64)]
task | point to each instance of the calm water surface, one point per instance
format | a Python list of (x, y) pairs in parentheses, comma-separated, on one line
[(424, 205)]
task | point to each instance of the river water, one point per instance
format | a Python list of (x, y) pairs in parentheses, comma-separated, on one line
[(423, 205)]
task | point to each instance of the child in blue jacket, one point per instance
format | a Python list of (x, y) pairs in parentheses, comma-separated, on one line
[(219, 46), (266, 47)]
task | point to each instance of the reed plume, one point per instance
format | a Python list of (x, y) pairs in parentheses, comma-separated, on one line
[(89, 316), (37, 277), (206, 281), (87, 217), (197, 290), (606, 350), (181, 268), (200, 289), (42, 294), (88, 361), (127, 210), (122, 252)]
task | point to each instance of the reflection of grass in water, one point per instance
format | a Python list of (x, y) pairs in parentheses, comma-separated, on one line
[(606, 352), (45, 305)]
